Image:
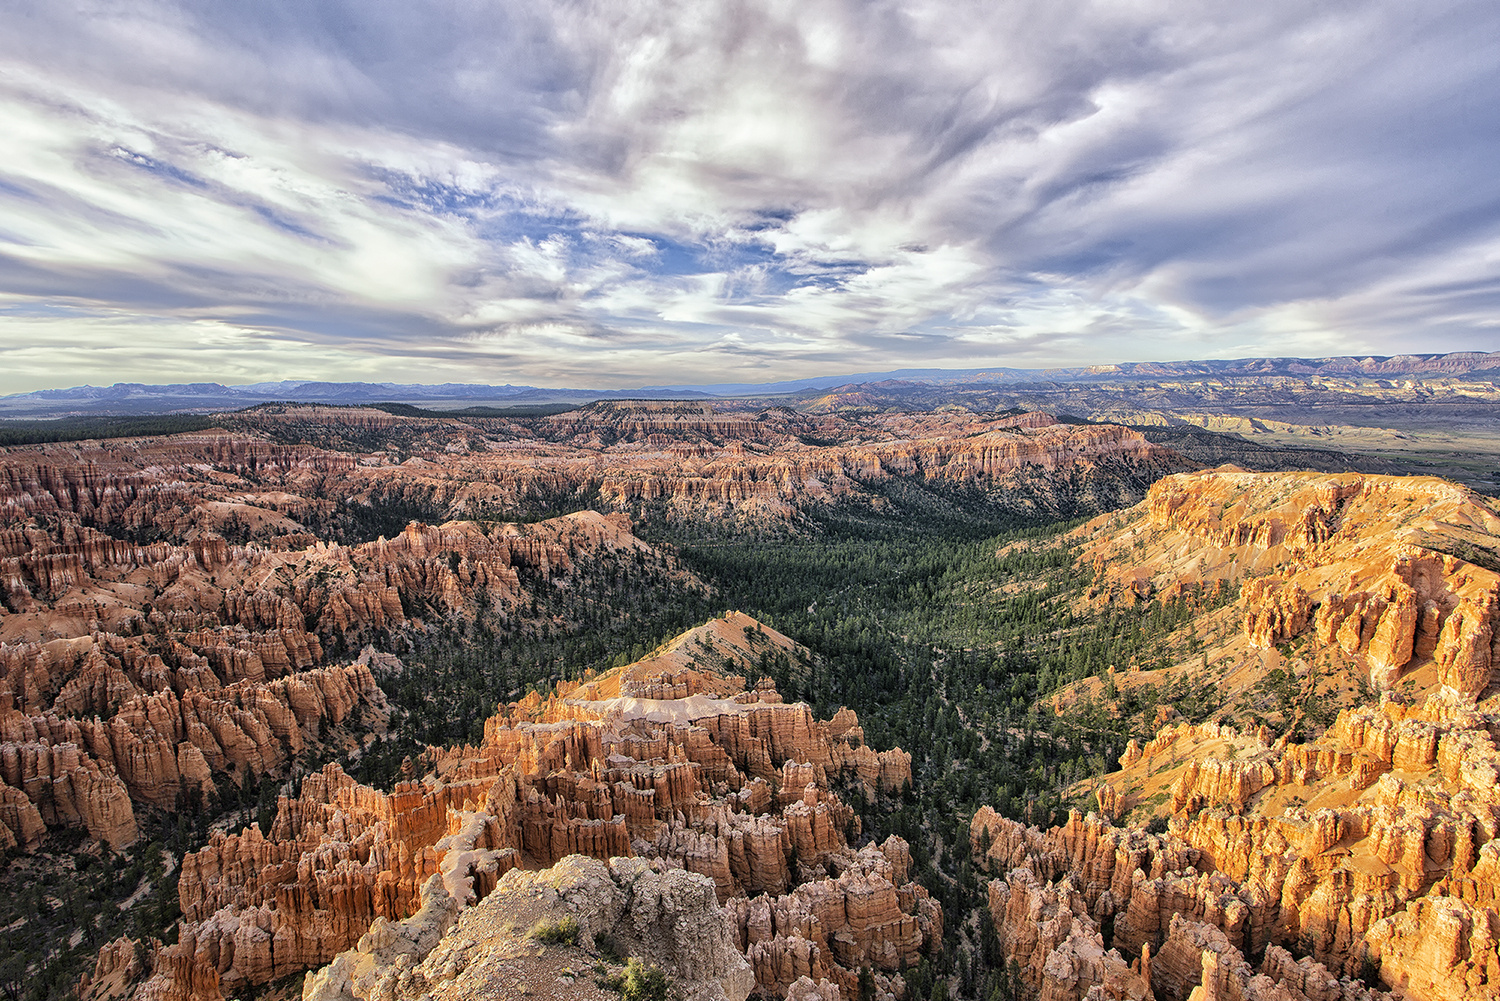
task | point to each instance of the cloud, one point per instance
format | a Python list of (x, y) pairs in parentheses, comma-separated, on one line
[(602, 194)]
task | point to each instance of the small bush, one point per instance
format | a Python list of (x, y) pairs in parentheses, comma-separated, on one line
[(560, 932), (638, 982)]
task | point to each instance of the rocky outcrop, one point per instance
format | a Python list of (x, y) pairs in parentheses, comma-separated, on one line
[(727, 784), (1369, 853), (254, 611), (869, 916), (176, 486), (1288, 869), (1184, 930), (1034, 461), (1048, 932), (43, 784), (165, 749), (667, 917), (1443, 947), (117, 970), (1223, 974), (21, 824)]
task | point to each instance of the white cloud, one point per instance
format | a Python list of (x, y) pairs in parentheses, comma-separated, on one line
[(601, 193)]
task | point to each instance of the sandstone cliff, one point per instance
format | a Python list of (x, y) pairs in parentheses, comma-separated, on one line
[(1391, 574)]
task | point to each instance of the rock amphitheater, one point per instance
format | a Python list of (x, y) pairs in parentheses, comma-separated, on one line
[(172, 626)]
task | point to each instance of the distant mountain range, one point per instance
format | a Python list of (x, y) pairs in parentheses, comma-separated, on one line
[(207, 397), (131, 398), (1483, 363)]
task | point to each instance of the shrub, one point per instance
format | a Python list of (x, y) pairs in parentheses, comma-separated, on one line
[(638, 982), (561, 932)]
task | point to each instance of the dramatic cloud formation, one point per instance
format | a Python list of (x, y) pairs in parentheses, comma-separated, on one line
[(577, 193)]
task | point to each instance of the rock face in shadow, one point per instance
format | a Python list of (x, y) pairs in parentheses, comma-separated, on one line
[(1371, 852), (669, 760)]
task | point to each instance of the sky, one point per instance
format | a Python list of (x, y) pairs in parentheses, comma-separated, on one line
[(654, 192)]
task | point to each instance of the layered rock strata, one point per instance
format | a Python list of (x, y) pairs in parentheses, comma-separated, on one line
[(674, 764), (176, 486), (1371, 853), (697, 459), (716, 460)]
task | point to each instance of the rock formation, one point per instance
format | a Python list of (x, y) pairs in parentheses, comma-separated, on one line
[(701, 460), (1346, 858), (144, 674), (142, 580), (828, 929), (131, 650), (667, 917), (1391, 571), (670, 761)]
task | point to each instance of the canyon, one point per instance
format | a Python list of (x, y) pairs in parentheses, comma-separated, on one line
[(187, 618), (145, 658)]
